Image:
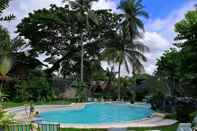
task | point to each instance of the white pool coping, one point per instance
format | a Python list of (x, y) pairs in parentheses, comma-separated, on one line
[(155, 120)]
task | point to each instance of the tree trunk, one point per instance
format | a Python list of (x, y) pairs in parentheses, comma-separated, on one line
[(82, 54), (1, 94), (119, 68), (174, 87)]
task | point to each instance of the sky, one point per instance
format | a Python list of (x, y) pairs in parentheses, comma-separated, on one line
[(159, 35)]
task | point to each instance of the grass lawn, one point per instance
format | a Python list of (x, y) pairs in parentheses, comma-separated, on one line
[(167, 128)]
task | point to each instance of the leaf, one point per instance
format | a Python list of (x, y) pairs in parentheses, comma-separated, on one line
[(5, 65)]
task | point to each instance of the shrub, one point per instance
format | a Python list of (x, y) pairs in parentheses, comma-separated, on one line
[(157, 101), (82, 90), (5, 118), (36, 87), (184, 108), (162, 103)]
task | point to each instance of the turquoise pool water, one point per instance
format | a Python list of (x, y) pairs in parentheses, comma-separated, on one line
[(98, 114)]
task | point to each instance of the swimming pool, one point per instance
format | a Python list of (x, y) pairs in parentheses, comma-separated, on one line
[(98, 113)]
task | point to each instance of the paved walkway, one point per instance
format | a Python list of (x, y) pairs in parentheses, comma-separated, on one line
[(155, 121)]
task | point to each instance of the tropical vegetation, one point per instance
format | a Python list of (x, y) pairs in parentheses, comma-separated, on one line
[(61, 49)]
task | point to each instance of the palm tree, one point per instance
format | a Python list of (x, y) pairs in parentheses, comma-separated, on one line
[(131, 28), (83, 9), (132, 11), (3, 5), (120, 51)]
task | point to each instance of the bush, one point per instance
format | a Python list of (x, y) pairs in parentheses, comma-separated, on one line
[(82, 90), (36, 87), (163, 103), (184, 108), (4, 118), (157, 101)]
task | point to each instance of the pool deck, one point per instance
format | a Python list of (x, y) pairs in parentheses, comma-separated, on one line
[(156, 120)]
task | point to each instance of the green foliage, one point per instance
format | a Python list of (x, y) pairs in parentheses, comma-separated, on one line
[(122, 47), (36, 88), (186, 28), (5, 44), (178, 67), (131, 23), (5, 49), (122, 51), (5, 118), (5, 57), (184, 109), (82, 90), (170, 116), (76, 38), (168, 70), (56, 31)]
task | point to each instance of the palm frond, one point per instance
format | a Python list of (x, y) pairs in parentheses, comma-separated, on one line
[(3, 5), (92, 16), (126, 64), (142, 13), (136, 55), (74, 5), (137, 65), (7, 18), (139, 24), (138, 45)]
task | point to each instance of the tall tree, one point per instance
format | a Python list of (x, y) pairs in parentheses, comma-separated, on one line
[(120, 51), (83, 8), (129, 50), (56, 33), (168, 67), (179, 66), (186, 40)]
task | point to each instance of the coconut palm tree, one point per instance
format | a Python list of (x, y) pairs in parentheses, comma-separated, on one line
[(84, 12), (132, 11), (120, 51), (131, 28)]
